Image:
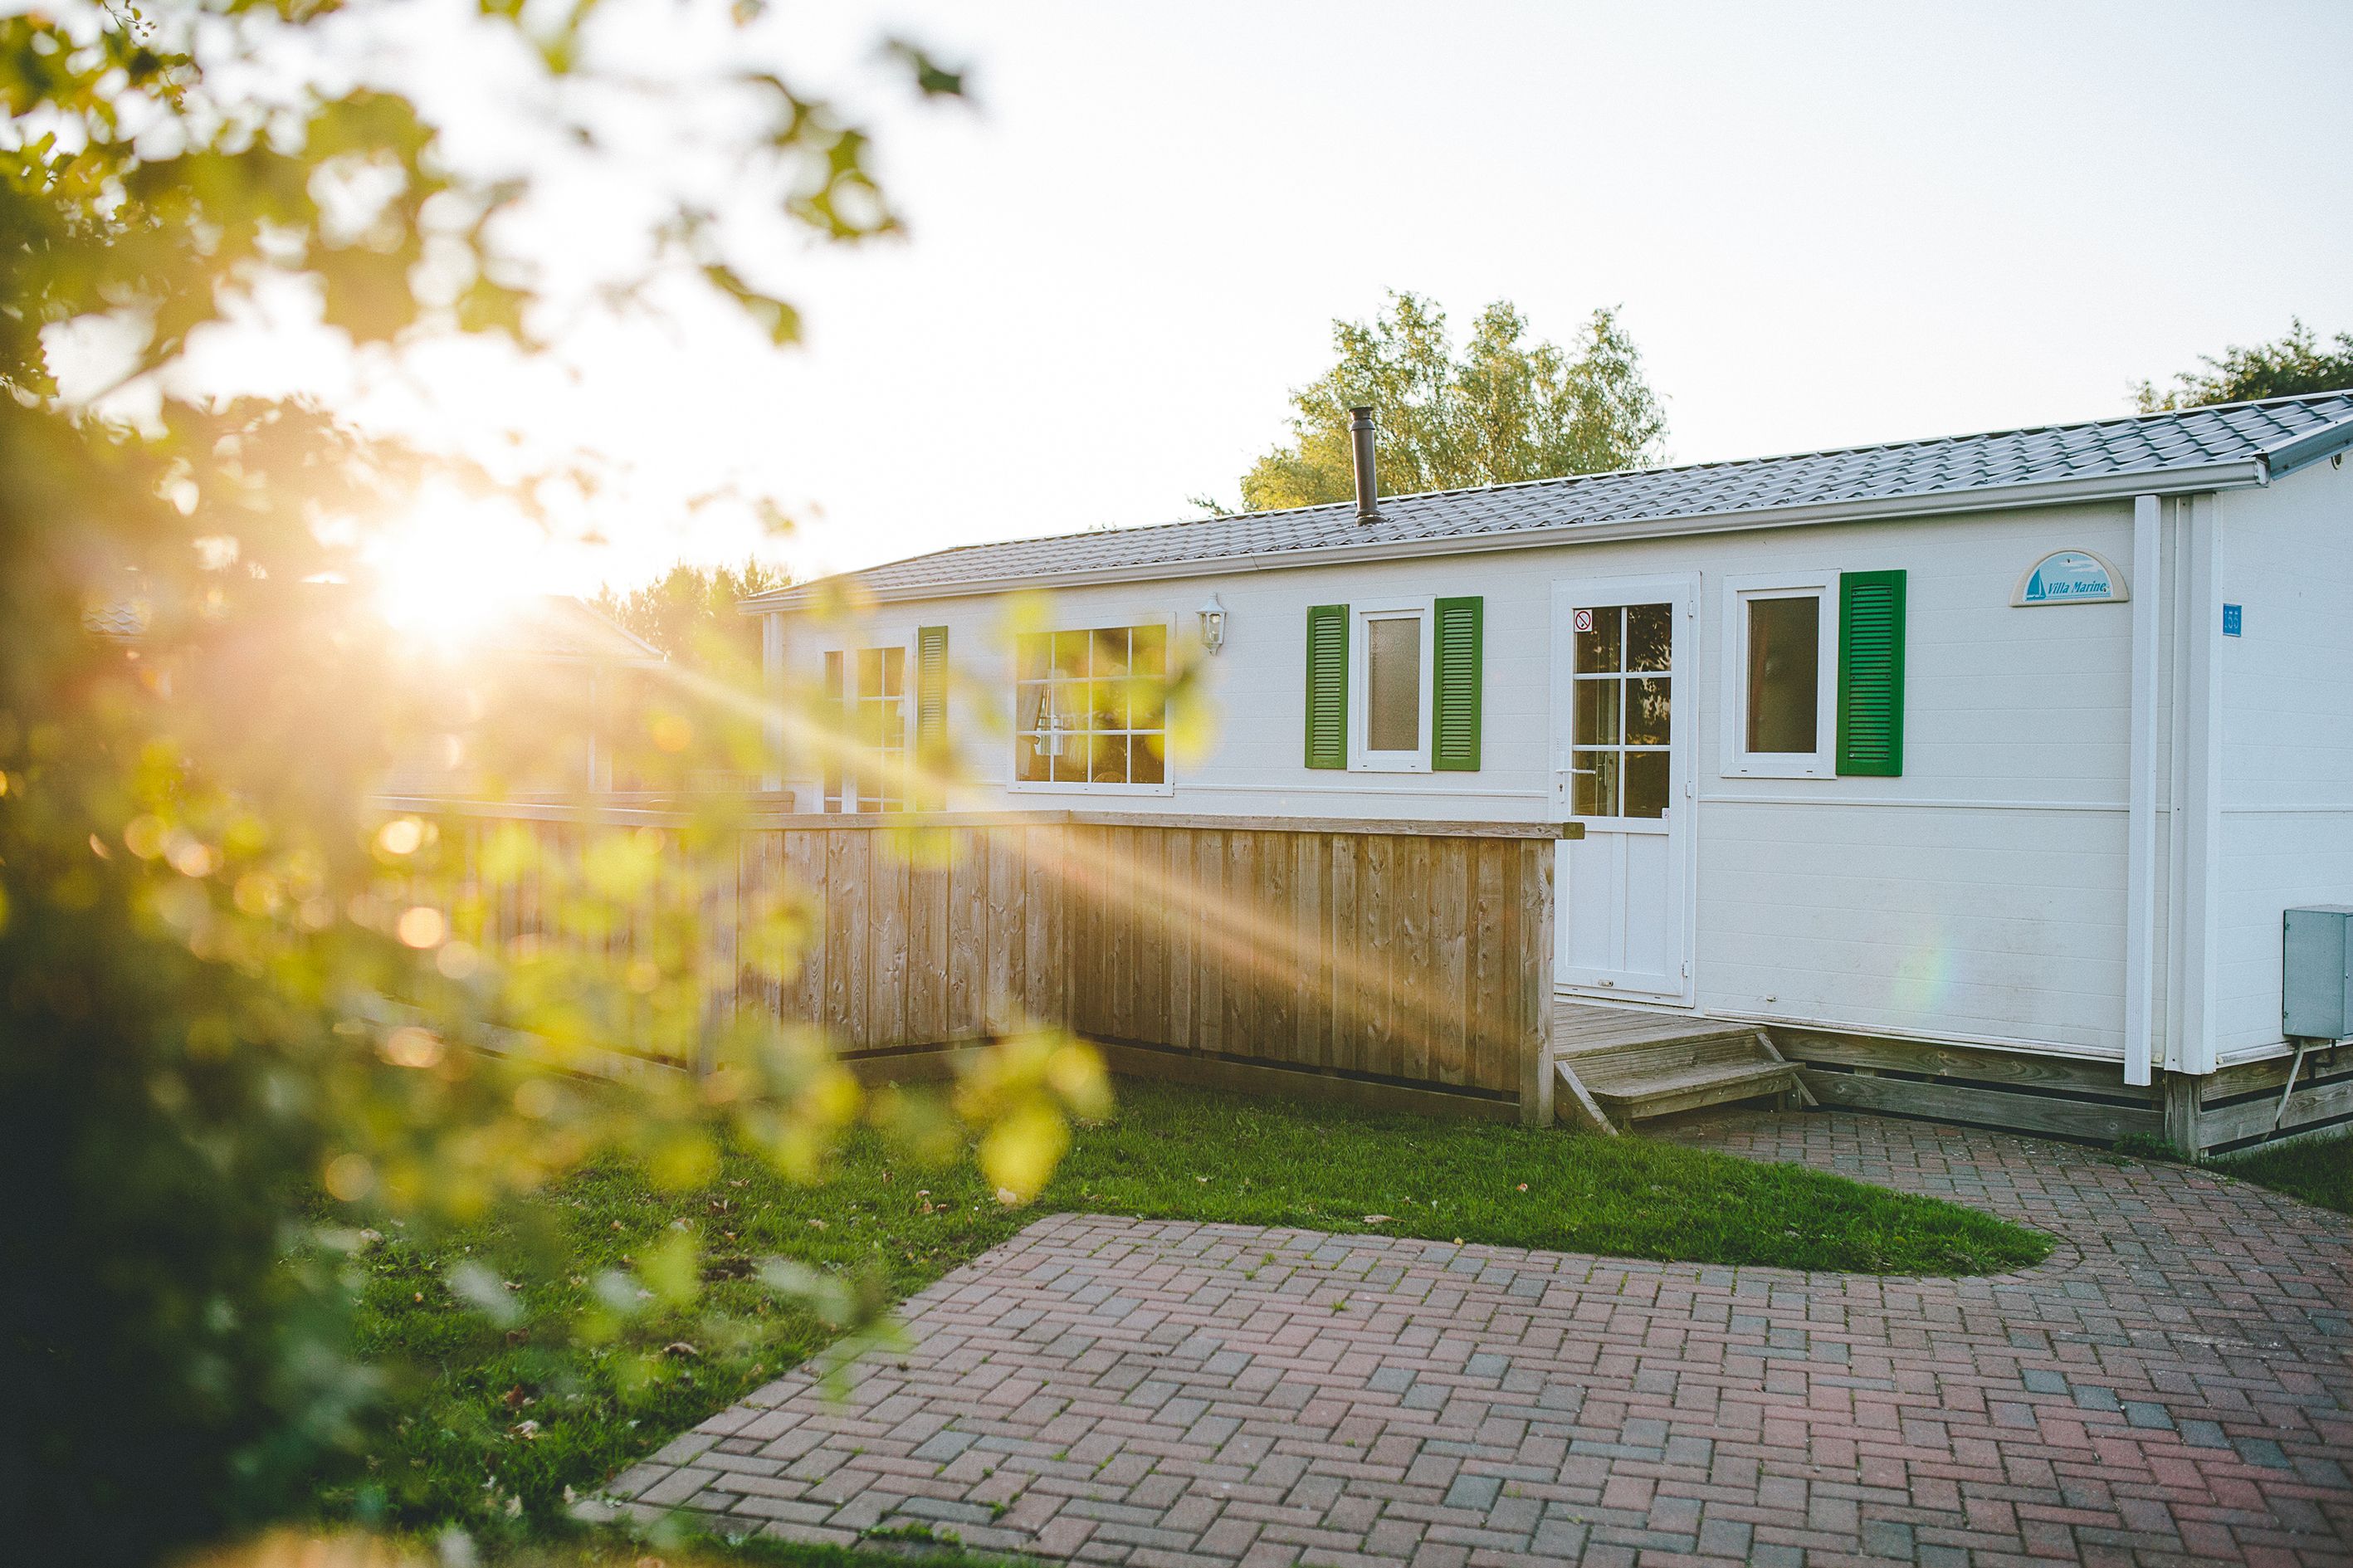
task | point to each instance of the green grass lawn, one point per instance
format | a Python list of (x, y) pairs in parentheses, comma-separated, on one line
[(499, 1420), (2316, 1171)]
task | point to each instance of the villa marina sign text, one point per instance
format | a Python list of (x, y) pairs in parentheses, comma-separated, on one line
[(2070, 576)]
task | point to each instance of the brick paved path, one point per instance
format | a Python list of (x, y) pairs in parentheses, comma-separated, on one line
[(2174, 1386)]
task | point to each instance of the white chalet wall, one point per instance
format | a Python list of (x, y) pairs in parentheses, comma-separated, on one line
[(1978, 898), (2284, 704)]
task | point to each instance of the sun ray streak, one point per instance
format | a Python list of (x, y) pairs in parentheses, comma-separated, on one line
[(1241, 932)]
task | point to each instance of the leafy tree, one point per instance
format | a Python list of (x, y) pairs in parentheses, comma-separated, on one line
[(689, 613), (245, 1019), (2297, 362), (1504, 410)]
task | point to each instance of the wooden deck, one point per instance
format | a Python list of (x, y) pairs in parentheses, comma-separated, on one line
[(1578, 1027)]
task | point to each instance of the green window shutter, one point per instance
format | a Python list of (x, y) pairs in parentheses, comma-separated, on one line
[(1454, 685), (1870, 674), (1328, 685), (931, 715), (931, 689)]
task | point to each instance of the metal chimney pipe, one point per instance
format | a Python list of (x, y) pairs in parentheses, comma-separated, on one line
[(1368, 485)]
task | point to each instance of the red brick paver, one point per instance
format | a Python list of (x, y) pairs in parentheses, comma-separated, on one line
[(2174, 1386)]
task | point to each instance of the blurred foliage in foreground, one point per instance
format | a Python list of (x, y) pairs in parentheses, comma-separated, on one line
[(232, 994)]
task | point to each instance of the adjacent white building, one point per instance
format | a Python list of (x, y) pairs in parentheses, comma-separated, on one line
[(2022, 741)]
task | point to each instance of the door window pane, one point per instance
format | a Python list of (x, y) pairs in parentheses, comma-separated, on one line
[(1784, 674), (1599, 649), (1647, 720), (1650, 636), (1646, 784), (1594, 787), (1393, 683), (1597, 711)]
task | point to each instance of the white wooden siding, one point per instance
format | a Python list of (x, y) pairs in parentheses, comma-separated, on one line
[(1978, 897), (2284, 703)]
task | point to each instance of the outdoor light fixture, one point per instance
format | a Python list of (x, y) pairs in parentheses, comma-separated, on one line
[(1213, 624)]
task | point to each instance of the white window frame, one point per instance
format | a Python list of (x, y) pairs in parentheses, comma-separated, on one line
[(1017, 785), (853, 694), (1739, 762), (1362, 758)]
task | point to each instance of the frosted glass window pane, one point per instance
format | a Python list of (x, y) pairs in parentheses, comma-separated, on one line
[(1784, 638), (1393, 683)]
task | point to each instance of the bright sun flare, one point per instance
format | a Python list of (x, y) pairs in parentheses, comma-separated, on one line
[(456, 566)]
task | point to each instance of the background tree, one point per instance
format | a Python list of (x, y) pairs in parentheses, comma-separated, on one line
[(689, 613), (1506, 409), (2297, 362)]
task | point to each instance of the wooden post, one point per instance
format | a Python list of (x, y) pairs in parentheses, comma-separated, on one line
[(2181, 1107)]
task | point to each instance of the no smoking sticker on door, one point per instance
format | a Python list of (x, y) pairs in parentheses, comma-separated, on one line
[(1585, 621)]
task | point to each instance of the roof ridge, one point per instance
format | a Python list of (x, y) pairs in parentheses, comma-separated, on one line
[(1276, 516)]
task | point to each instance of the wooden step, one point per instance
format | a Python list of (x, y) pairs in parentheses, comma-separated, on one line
[(1691, 1088), (1653, 1057)]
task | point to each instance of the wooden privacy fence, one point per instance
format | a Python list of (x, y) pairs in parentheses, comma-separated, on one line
[(1378, 962)]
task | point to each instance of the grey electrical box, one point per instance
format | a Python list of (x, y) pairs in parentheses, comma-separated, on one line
[(2316, 990)]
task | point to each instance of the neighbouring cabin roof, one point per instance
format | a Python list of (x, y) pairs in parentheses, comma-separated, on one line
[(2221, 447), (563, 628)]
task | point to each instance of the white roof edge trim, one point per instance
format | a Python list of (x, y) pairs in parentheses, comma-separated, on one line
[(2244, 473)]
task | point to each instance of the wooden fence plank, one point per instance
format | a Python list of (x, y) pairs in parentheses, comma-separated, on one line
[(1245, 987), (1345, 1000), (1449, 916), (968, 935), (1119, 930), (1279, 966), (1008, 924), (1493, 959), (1310, 928), (1183, 942), (1376, 923), (1417, 1002), (1208, 953)]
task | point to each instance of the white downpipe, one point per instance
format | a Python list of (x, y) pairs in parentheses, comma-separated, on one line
[(2202, 791), (2140, 821)]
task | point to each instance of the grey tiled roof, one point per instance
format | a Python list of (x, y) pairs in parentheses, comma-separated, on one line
[(2283, 431)]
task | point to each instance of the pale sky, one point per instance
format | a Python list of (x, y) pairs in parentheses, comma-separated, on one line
[(1824, 225)]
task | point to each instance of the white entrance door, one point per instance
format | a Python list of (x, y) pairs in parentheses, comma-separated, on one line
[(1622, 663)]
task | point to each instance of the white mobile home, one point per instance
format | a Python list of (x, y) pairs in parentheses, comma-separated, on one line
[(1977, 772)]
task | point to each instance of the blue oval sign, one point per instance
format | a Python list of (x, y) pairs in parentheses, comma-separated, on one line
[(2069, 577)]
